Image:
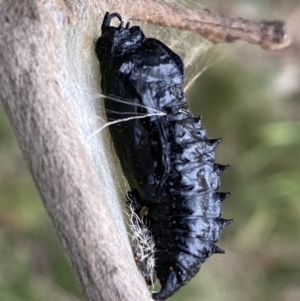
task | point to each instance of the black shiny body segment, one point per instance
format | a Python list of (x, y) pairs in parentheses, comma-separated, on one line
[(168, 160)]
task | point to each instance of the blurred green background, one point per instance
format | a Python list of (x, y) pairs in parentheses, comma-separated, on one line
[(251, 98)]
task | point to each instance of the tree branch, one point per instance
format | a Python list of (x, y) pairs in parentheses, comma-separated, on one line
[(270, 35), (41, 111)]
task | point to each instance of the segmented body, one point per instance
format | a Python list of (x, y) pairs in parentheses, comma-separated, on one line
[(167, 160)]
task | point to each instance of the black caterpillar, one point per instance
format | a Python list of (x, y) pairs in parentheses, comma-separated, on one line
[(168, 160)]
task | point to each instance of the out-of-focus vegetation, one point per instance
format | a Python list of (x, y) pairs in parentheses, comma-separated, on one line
[(32, 265), (251, 98)]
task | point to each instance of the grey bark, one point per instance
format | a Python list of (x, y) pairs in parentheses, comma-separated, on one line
[(40, 97)]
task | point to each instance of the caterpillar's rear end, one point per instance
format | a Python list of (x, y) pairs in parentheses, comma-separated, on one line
[(168, 160)]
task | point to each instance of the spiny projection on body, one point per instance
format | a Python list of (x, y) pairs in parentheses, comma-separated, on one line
[(168, 160)]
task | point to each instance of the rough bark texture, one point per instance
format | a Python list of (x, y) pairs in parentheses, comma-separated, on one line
[(55, 149), (215, 27), (50, 85)]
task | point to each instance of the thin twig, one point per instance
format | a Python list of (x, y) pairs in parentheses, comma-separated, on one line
[(270, 35)]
